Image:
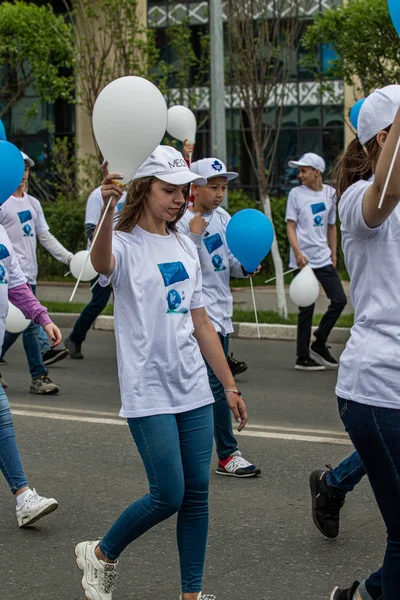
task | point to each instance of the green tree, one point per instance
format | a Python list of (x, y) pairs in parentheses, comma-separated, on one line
[(365, 41), (36, 52)]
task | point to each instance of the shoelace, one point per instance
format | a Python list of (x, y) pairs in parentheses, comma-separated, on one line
[(45, 379), (108, 579), (238, 462), (33, 499), (336, 499)]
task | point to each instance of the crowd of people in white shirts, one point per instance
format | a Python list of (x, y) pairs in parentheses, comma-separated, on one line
[(169, 267)]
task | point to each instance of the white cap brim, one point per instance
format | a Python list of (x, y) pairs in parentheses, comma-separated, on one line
[(27, 159), (299, 163), (228, 175), (182, 178)]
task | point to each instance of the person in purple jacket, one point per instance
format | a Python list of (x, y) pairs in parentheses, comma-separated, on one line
[(13, 287)]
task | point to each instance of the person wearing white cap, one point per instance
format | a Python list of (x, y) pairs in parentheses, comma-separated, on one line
[(311, 229), (23, 218), (160, 320), (205, 223), (368, 385)]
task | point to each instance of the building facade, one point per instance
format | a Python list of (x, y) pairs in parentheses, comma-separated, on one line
[(311, 122)]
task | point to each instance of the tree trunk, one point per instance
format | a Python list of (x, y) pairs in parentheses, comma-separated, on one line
[(277, 260)]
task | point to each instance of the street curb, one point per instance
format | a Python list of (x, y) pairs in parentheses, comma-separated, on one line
[(268, 331)]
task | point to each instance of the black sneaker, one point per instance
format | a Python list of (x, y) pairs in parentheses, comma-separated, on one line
[(74, 350), (3, 382), (52, 356), (3, 361), (308, 364), (236, 366), (326, 504), (321, 352), (344, 594)]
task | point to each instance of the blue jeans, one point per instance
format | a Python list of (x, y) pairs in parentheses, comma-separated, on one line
[(98, 302), (10, 462), (225, 440), (30, 339), (43, 341), (176, 453), (347, 474), (375, 433)]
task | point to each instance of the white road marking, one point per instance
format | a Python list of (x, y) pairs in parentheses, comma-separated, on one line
[(279, 433)]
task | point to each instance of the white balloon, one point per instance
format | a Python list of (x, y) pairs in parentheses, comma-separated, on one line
[(15, 321), (182, 123), (129, 122), (304, 289), (76, 264)]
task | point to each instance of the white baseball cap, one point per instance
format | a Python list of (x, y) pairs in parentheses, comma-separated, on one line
[(167, 164), (212, 167), (27, 159), (378, 112), (309, 159)]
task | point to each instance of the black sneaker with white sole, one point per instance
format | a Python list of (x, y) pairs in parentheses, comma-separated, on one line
[(321, 353), (52, 356), (308, 364), (326, 504), (344, 593)]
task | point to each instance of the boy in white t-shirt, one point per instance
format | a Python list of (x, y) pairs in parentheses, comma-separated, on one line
[(100, 295), (23, 219), (205, 223), (311, 228)]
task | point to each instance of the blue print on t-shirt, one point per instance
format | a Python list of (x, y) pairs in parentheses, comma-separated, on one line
[(317, 208), (3, 274), (120, 205), (174, 273), (213, 242), (25, 215), (4, 253)]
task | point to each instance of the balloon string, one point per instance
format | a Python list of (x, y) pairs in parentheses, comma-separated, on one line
[(190, 159), (91, 248), (255, 308), (285, 273), (389, 172)]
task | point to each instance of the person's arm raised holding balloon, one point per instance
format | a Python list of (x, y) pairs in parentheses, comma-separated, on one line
[(102, 258)]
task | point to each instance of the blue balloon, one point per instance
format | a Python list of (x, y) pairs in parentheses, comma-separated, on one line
[(355, 111), (249, 236), (2, 132), (394, 10), (12, 168)]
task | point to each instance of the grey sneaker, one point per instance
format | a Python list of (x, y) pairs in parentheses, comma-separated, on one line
[(99, 577), (43, 385), (3, 382), (74, 350), (202, 597), (34, 508)]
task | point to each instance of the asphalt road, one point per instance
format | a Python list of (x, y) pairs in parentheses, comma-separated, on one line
[(262, 542)]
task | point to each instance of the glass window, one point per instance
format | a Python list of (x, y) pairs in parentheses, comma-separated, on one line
[(333, 115), (310, 116)]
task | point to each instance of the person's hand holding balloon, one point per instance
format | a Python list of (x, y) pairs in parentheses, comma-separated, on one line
[(301, 260), (253, 272), (111, 187)]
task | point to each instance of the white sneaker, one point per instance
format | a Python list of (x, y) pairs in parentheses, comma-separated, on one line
[(202, 597), (34, 508), (99, 577)]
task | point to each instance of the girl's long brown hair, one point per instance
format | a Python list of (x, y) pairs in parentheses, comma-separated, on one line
[(134, 204), (355, 163)]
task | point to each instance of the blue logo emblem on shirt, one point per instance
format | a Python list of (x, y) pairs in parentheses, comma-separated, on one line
[(120, 206), (212, 243), (173, 273), (319, 207), (4, 253), (217, 166), (24, 216)]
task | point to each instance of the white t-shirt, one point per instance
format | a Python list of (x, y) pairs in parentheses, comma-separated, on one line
[(23, 219), (313, 212), (156, 282), (95, 204), (369, 370), (217, 265), (11, 276)]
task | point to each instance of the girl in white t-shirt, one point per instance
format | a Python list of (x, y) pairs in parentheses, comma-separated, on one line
[(368, 386), (160, 320)]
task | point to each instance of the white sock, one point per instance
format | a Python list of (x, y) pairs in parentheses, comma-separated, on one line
[(21, 497)]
